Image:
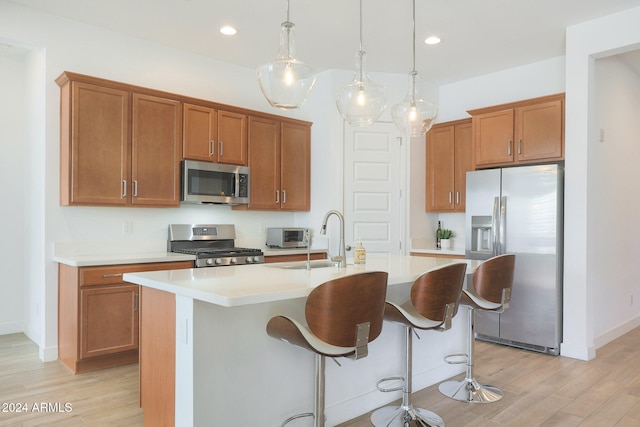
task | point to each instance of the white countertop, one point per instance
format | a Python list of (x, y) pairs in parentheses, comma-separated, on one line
[(254, 284), (87, 254)]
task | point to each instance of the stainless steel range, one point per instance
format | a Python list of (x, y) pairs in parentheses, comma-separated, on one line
[(212, 244)]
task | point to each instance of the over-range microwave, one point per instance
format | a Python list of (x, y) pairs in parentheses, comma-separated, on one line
[(215, 183)]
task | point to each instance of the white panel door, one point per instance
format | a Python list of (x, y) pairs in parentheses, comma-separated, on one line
[(373, 185)]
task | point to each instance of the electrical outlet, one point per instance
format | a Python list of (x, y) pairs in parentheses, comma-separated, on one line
[(127, 228)]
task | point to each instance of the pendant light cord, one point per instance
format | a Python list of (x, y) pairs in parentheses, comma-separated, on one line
[(288, 20), (414, 36), (360, 25)]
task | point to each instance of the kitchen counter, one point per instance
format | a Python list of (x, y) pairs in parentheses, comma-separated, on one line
[(260, 283), (221, 350)]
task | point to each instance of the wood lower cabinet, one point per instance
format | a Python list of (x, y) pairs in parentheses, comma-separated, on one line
[(98, 315), (279, 160), (448, 161), (525, 132), (117, 147), (214, 135)]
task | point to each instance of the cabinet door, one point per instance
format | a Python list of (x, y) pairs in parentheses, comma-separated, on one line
[(199, 136), (493, 138), (440, 169), (264, 163), (156, 143), (295, 168), (539, 130), (95, 169), (463, 163), (109, 320), (232, 138)]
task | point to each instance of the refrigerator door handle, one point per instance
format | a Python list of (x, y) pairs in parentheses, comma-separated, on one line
[(495, 223), (503, 225)]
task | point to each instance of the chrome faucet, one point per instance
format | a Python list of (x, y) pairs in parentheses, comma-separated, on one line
[(341, 259)]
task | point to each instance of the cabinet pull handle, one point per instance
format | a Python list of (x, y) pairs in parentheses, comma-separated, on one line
[(220, 146), (519, 146), (450, 197), (277, 196), (457, 197), (112, 275), (136, 302), (509, 149), (124, 188), (284, 196), (135, 188), (212, 150)]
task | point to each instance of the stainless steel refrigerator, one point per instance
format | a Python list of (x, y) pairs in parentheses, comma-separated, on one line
[(518, 210)]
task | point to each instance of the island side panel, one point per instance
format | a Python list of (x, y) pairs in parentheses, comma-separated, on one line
[(157, 356)]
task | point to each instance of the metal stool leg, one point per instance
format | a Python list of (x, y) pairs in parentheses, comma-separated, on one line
[(468, 390), (318, 406), (406, 415)]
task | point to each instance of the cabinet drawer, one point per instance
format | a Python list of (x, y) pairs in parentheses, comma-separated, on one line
[(113, 274)]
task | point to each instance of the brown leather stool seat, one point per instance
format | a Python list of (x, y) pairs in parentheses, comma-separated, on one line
[(342, 315), (492, 283), (434, 302)]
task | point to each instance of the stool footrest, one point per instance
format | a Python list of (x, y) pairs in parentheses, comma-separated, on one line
[(295, 417), (380, 387), (457, 358)]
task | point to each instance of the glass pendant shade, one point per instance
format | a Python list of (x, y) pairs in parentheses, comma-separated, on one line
[(362, 101), (286, 81), (414, 116)]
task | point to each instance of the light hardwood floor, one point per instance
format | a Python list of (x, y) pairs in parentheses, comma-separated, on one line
[(106, 397), (539, 390)]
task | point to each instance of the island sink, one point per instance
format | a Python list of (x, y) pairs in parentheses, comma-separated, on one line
[(302, 265)]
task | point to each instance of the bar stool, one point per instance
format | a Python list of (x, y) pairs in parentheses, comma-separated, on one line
[(434, 302), (343, 315), (492, 283)]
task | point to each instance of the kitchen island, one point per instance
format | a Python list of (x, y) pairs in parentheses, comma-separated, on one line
[(205, 357)]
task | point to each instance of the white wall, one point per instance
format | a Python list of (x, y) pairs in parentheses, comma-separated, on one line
[(585, 42), (614, 201), (13, 166)]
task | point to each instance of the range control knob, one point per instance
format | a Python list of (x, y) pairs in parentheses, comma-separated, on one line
[(218, 260), (210, 261), (249, 260), (234, 260)]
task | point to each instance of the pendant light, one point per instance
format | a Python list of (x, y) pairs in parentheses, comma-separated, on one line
[(414, 116), (361, 102), (286, 81)]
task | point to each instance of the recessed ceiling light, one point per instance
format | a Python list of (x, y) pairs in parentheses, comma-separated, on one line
[(432, 40), (228, 30)]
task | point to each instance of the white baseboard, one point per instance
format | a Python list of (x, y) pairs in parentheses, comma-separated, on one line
[(616, 332)]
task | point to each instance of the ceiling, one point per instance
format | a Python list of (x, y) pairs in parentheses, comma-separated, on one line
[(478, 37)]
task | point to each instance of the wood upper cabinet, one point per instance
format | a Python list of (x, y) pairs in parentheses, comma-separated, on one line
[(295, 170), (279, 160), (156, 142), (95, 144), (526, 132), (98, 315), (214, 135), (448, 160), (117, 147)]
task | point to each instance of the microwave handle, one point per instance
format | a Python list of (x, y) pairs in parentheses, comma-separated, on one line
[(236, 187)]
